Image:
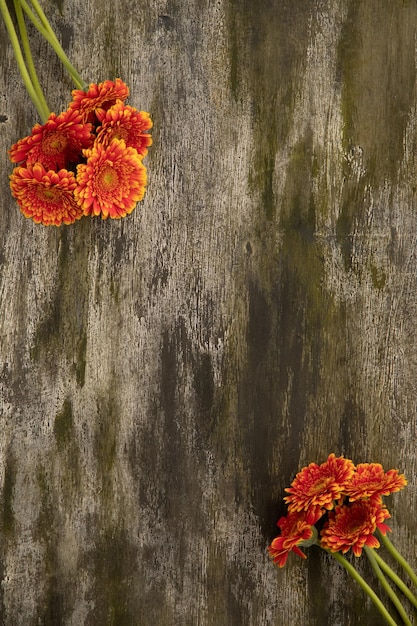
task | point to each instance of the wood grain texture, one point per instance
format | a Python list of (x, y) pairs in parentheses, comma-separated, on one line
[(164, 377)]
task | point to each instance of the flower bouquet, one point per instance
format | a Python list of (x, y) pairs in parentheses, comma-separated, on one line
[(339, 507), (86, 160)]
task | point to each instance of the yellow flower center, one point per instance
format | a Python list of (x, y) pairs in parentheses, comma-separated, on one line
[(108, 179), (321, 485), (48, 194), (120, 133), (54, 142)]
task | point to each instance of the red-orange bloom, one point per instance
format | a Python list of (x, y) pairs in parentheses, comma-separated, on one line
[(112, 180), (55, 144), (127, 123), (353, 527), (318, 486), (294, 530), (47, 197), (370, 481), (98, 96)]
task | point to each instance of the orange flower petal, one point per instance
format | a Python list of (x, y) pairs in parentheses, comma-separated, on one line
[(98, 96), (47, 197), (55, 144), (353, 527), (112, 181), (124, 122), (295, 528), (319, 485), (370, 481)]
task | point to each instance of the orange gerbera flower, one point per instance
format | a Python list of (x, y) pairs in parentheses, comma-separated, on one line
[(353, 527), (318, 486), (55, 144), (47, 197), (112, 180), (127, 123), (370, 481), (295, 529), (98, 96)]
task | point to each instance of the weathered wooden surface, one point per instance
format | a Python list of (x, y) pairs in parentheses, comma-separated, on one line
[(165, 376)]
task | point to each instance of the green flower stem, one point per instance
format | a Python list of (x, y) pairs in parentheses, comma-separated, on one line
[(401, 560), (371, 593), (42, 16), (42, 111), (50, 37), (79, 82), (28, 55), (387, 587), (396, 579)]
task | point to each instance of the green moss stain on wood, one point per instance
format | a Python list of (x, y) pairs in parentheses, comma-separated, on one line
[(81, 358), (262, 174), (64, 425), (105, 440), (348, 46), (376, 70), (311, 330), (51, 598), (298, 214), (8, 518), (118, 580), (376, 63), (62, 333), (48, 510), (379, 276), (264, 68), (67, 462)]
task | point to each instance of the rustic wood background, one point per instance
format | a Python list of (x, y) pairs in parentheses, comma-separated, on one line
[(164, 377)]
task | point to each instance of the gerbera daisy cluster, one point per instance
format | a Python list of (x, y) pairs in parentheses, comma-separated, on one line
[(339, 507), (84, 161), (343, 500)]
